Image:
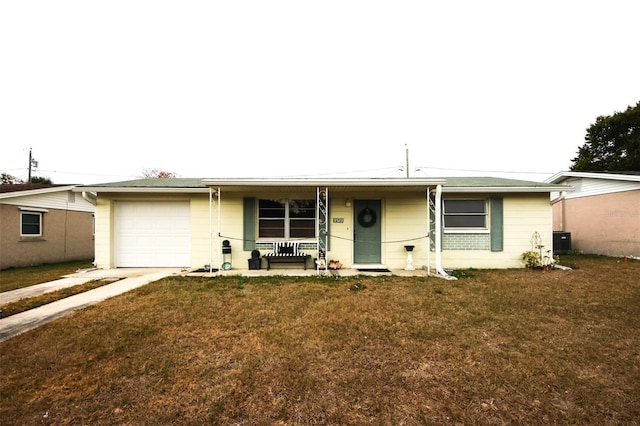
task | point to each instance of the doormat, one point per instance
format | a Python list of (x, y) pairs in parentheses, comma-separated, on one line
[(205, 270), (373, 270)]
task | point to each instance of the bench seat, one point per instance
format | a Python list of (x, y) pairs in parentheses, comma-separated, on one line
[(286, 252)]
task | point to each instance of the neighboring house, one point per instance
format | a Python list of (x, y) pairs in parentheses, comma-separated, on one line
[(602, 215), (44, 223), (363, 223)]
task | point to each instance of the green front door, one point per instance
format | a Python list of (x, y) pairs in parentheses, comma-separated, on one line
[(367, 231)]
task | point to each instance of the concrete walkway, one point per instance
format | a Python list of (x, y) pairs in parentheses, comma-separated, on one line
[(127, 279)]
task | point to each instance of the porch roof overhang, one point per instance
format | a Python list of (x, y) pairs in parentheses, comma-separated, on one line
[(489, 185)]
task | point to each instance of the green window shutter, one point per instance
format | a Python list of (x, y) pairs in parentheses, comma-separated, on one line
[(249, 223), (497, 227)]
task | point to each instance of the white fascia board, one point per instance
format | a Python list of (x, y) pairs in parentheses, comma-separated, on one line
[(355, 182), (505, 189), (163, 190), (39, 191), (559, 177)]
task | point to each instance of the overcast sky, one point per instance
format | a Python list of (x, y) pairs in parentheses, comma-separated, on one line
[(101, 90)]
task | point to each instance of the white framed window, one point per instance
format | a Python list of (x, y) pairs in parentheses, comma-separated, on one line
[(284, 219), (30, 224), (465, 215)]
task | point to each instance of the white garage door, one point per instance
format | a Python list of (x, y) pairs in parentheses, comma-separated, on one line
[(152, 234)]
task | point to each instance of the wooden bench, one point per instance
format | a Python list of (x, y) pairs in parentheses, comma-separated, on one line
[(286, 252)]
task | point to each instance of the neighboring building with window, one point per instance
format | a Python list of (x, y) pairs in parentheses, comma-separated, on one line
[(363, 223), (43, 223), (602, 215)]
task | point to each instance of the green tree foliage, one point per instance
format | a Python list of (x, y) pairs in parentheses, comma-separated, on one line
[(157, 174), (612, 144), (7, 178), (40, 179)]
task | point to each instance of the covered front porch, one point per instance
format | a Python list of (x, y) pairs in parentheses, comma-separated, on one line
[(366, 225)]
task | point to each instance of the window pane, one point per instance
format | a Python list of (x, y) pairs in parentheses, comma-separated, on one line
[(270, 228), (288, 219), (464, 221), (464, 206), (30, 224), (302, 208), (303, 228), (271, 208)]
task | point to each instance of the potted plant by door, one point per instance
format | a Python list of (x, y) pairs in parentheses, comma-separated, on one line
[(255, 261)]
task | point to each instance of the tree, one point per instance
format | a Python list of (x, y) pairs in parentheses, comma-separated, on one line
[(157, 174), (40, 179), (7, 178), (612, 144)]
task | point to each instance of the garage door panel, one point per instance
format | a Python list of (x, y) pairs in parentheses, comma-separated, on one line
[(153, 234)]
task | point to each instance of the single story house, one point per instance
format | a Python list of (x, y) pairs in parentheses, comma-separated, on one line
[(44, 223), (602, 215), (379, 223)]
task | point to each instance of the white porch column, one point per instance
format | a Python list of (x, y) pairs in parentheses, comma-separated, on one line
[(438, 230)]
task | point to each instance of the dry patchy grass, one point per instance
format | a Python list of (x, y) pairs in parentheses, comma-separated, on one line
[(34, 302), (497, 347), (13, 278)]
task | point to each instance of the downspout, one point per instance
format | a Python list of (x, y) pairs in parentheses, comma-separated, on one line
[(561, 200), (90, 197), (438, 232)]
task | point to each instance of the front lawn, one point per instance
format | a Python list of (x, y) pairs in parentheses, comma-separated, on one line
[(14, 278), (495, 347)]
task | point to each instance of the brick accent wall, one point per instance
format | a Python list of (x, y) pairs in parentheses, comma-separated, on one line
[(466, 242)]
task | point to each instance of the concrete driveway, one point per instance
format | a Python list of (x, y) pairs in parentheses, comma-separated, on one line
[(123, 280)]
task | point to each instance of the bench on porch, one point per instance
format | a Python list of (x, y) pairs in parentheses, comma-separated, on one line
[(286, 252)]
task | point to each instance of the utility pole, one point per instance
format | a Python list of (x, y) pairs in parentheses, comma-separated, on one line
[(406, 156), (32, 164)]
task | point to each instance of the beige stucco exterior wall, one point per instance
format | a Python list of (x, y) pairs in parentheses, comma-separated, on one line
[(524, 214), (105, 225), (404, 221), (607, 224), (66, 235)]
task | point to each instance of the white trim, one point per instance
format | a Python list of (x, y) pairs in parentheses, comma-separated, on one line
[(502, 189), (155, 190), (354, 182), (27, 192), (561, 176), (40, 223), (33, 209)]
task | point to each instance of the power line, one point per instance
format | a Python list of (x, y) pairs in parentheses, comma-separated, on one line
[(519, 172)]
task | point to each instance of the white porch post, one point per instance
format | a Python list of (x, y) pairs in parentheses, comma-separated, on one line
[(219, 244), (438, 230), (428, 231), (322, 203), (210, 229)]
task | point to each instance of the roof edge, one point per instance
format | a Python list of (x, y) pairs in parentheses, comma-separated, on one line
[(559, 177), (28, 192), (363, 182), (507, 189)]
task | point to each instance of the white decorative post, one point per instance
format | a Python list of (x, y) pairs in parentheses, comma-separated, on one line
[(409, 266)]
